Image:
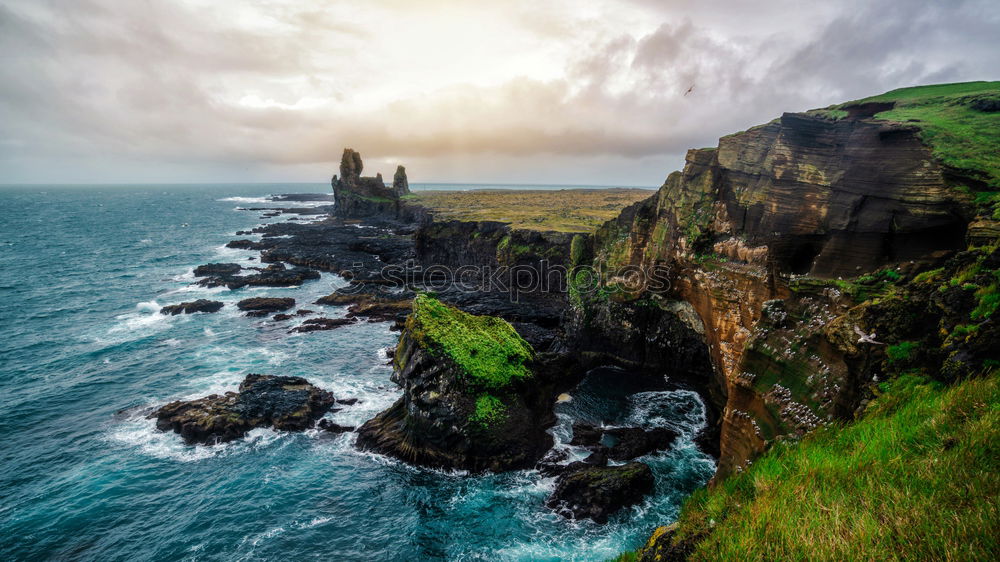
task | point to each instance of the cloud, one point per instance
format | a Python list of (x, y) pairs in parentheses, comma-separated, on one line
[(265, 90)]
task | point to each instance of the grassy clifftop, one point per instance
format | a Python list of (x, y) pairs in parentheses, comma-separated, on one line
[(960, 122), (916, 478)]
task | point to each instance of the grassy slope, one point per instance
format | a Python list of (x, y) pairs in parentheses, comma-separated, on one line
[(564, 210), (916, 479), (960, 136)]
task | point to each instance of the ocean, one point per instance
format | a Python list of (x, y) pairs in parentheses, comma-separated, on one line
[(84, 353)]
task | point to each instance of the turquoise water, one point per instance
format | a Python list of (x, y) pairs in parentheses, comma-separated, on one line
[(84, 350)]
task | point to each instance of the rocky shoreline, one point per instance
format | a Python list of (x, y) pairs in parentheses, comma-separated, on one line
[(481, 364), (444, 419)]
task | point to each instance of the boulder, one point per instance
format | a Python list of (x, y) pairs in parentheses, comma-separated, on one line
[(267, 304), (595, 492), (217, 269), (285, 403), (200, 305)]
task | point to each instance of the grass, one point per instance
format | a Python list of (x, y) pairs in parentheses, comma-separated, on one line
[(961, 137), (488, 350), (915, 479), (489, 411), (902, 351), (563, 210)]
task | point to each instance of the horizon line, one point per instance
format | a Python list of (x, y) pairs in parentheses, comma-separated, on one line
[(117, 184)]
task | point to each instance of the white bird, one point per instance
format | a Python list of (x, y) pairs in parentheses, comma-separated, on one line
[(866, 338)]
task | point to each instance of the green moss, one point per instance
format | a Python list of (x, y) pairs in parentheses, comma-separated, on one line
[(901, 352), (988, 300), (490, 411), (487, 349), (916, 479), (928, 276)]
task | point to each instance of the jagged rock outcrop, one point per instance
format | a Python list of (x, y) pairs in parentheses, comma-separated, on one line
[(359, 196), (399, 184), (475, 395), (285, 403)]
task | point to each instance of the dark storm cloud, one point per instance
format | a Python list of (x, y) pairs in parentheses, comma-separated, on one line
[(161, 86)]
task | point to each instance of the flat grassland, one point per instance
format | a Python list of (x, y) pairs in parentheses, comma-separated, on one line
[(564, 210)]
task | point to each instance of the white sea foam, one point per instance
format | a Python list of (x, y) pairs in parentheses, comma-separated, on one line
[(681, 410), (246, 199), (142, 434)]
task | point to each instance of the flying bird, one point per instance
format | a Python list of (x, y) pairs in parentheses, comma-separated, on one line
[(689, 90), (866, 338)]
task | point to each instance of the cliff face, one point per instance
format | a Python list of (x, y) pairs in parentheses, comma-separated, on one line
[(757, 236)]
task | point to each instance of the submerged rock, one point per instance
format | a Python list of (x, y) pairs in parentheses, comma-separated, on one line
[(286, 403), (596, 492), (623, 443), (475, 396), (317, 324), (200, 305)]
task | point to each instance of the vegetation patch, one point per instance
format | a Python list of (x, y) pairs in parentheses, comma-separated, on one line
[(916, 478), (487, 349), (562, 210), (490, 411)]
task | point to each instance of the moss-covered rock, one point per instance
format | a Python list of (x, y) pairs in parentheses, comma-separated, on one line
[(475, 395)]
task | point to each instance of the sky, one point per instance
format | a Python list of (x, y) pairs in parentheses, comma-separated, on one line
[(582, 92)]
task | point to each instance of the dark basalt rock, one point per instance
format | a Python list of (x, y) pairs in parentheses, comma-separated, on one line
[(622, 443), (200, 305), (286, 403), (317, 324), (433, 423), (596, 492), (274, 275), (242, 244), (330, 427), (358, 196), (281, 317), (268, 304), (216, 269)]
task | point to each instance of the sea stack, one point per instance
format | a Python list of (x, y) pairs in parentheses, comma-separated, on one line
[(359, 196), (474, 395)]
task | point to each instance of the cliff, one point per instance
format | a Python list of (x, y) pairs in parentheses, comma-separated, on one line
[(787, 248)]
